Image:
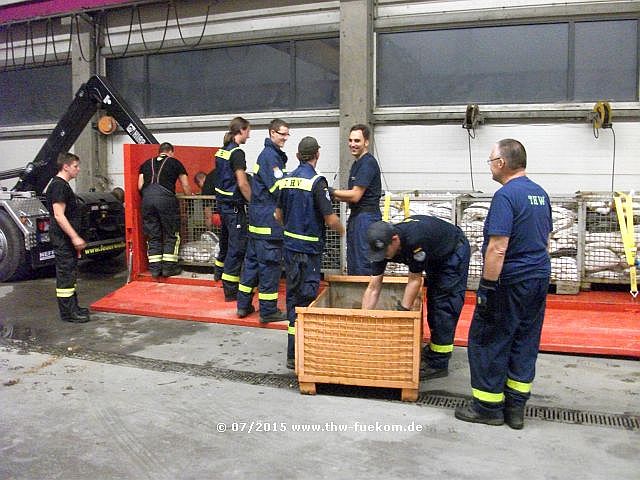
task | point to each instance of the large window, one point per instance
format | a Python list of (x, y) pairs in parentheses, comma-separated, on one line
[(34, 95), (292, 75), (544, 63)]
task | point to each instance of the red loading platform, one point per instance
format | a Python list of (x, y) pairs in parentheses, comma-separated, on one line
[(599, 323)]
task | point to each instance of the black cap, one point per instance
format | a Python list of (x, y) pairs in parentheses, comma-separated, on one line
[(308, 147), (379, 237)]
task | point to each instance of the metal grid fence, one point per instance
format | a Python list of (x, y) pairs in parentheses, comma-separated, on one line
[(564, 246), (200, 248), (604, 258)]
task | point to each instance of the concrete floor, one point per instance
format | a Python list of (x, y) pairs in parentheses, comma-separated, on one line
[(139, 397)]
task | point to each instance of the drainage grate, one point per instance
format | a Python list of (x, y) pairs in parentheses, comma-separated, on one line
[(437, 399), (550, 414)]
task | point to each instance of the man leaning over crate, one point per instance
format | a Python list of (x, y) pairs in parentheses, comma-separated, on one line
[(305, 208), (440, 249)]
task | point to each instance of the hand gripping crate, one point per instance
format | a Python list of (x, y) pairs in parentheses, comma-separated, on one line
[(337, 342)]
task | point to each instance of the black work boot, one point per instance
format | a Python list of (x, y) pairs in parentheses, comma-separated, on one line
[(244, 312), (276, 316), (514, 417), (171, 270), (291, 363), (217, 274), (68, 313), (230, 291), (78, 308), (468, 413), (430, 373)]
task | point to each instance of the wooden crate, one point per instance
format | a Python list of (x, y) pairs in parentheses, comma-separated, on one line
[(338, 342)]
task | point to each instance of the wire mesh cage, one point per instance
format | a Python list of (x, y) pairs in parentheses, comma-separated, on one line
[(440, 205), (471, 213), (331, 257), (604, 256), (198, 234)]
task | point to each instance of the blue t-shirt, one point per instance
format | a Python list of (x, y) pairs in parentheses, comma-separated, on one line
[(521, 210), (365, 172)]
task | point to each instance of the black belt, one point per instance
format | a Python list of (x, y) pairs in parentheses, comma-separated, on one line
[(365, 209)]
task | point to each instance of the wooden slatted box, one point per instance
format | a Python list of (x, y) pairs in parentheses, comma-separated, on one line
[(337, 342)]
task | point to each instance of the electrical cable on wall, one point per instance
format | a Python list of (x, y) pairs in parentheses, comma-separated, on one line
[(472, 118), (600, 117)]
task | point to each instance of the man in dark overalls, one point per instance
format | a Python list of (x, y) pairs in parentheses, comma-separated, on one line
[(161, 210), (233, 192), (65, 239), (441, 250)]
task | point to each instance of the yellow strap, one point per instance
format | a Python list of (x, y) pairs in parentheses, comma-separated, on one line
[(407, 211), (387, 206), (155, 258), (625, 220), (522, 387), (260, 230), (218, 263), (291, 330), (268, 296), (168, 257), (245, 288), (488, 396), (301, 237), (434, 347), (256, 168)]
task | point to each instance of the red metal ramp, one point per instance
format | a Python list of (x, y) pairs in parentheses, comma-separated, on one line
[(599, 323)]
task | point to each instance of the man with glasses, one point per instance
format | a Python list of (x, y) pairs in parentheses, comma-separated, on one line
[(504, 337), (264, 253), (363, 195)]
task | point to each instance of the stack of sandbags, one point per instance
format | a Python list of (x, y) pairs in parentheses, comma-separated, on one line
[(204, 250), (563, 244)]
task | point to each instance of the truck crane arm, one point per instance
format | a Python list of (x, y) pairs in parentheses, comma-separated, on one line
[(97, 93)]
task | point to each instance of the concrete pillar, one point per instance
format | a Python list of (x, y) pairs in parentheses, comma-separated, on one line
[(356, 73), (86, 146)]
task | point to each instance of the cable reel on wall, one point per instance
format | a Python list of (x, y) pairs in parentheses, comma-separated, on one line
[(600, 117)]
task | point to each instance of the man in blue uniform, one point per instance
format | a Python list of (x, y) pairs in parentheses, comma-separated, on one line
[(161, 210), (305, 208), (65, 238), (363, 195), (264, 254), (232, 194), (504, 337), (441, 250)]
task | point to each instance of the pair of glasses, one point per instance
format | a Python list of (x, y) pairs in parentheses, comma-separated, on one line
[(493, 159), (284, 134)]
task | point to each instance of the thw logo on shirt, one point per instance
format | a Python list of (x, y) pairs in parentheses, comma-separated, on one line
[(536, 199)]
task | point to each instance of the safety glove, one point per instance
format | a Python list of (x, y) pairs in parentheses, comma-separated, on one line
[(486, 292)]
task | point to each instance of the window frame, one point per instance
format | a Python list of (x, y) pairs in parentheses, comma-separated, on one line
[(566, 110)]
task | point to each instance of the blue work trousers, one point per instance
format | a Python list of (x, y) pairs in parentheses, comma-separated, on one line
[(504, 339), (235, 221), (303, 282), (262, 268), (357, 246), (446, 289)]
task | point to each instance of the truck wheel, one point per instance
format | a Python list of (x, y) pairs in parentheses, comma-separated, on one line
[(13, 258)]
